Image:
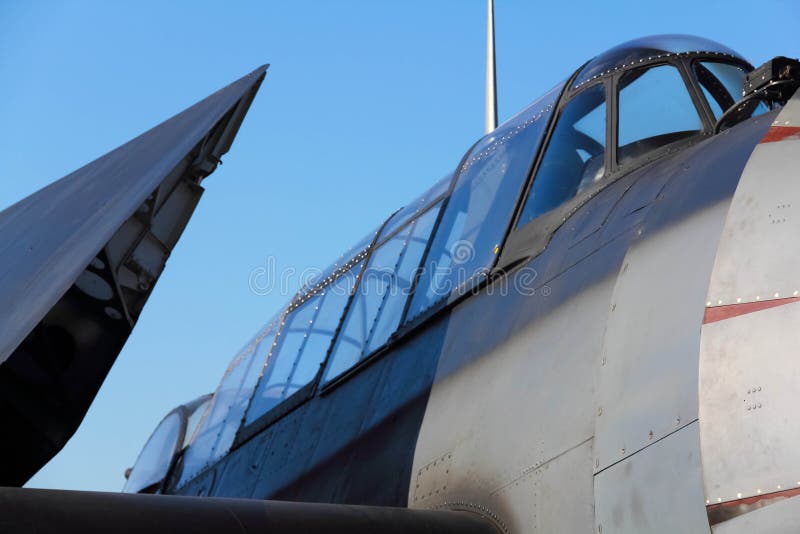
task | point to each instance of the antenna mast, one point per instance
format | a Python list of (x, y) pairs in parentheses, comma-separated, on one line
[(491, 75)]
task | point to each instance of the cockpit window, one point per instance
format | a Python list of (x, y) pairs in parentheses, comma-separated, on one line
[(196, 414), (218, 427), (154, 461), (302, 344), (647, 48), (478, 211), (655, 110), (417, 206), (381, 296), (575, 156), (722, 86)]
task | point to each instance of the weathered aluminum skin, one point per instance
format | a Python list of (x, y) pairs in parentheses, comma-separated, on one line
[(779, 518), (487, 411), (595, 377), (755, 261), (659, 489), (647, 373), (749, 370)]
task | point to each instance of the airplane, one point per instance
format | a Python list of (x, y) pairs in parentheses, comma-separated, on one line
[(587, 326)]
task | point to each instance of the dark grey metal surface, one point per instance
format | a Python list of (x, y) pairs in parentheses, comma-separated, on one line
[(48, 238), (659, 489), (57, 511), (80, 259)]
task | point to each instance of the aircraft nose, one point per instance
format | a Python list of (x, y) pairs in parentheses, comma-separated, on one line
[(749, 370)]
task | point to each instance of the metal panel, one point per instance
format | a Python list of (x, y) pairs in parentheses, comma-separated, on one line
[(782, 517), (756, 260), (647, 373), (749, 369), (749, 372), (658, 489), (513, 419), (790, 114), (553, 497)]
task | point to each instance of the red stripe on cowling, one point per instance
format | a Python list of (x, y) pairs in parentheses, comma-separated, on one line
[(781, 133), (719, 313), (791, 492), (719, 512)]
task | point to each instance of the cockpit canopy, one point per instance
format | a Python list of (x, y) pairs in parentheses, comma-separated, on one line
[(649, 49), (630, 105), (170, 438)]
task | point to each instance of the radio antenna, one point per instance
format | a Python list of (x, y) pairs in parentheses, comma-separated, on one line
[(491, 74)]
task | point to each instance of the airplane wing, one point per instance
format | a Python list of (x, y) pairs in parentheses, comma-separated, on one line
[(80, 258)]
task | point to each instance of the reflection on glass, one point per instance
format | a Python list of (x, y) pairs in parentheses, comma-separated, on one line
[(479, 208), (318, 278), (302, 344), (643, 49), (378, 303), (655, 110), (722, 86), (417, 206), (218, 428), (575, 156), (154, 461), (196, 413)]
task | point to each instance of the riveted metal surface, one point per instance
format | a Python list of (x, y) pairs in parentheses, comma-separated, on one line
[(748, 366), (514, 417), (756, 260), (551, 497), (790, 114), (749, 373), (648, 60), (431, 480), (238, 473), (202, 485), (658, 489), (590, 218), (354, 444), (647, 374), (779, 518)]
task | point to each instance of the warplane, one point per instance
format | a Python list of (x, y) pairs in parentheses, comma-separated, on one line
[(589, 325)]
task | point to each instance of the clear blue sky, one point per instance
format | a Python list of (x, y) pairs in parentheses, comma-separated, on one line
[(365, 105)]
